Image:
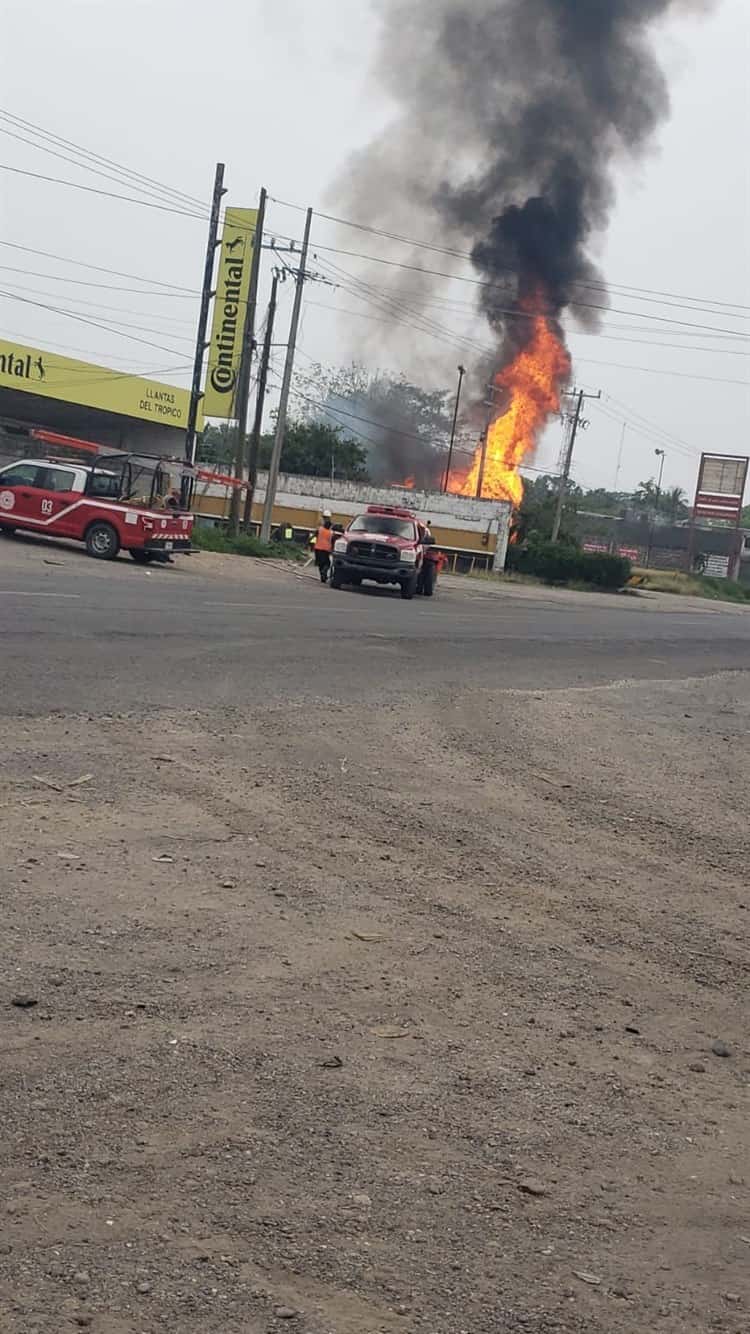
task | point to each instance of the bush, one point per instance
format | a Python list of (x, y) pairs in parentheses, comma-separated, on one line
[(564, 563), (246, 544), (605, 571)]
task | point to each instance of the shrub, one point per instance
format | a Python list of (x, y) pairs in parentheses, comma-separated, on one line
[(245, 544), (564, 563), (605, 571)]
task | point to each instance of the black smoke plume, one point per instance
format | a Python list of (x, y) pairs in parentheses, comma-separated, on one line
[(512, 115)]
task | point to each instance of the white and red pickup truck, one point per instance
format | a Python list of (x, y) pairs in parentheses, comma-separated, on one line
[(111, 505)]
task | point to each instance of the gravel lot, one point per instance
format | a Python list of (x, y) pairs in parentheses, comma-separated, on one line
[(427, 1013)]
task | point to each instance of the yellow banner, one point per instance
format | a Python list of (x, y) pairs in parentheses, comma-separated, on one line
[(51, 376), (230, 309)]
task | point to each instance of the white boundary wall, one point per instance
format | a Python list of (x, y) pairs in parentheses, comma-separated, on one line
[(459, 513)]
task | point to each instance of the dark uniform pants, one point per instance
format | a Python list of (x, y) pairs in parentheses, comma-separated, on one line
[(323, 562)]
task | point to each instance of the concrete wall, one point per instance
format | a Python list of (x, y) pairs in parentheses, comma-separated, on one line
[(458, 522)]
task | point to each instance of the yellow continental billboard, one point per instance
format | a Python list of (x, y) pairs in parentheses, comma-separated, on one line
[(230, 308), (50, 376)]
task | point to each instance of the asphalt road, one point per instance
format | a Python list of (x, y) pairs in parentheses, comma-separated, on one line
[(79, 635), (370, 968)]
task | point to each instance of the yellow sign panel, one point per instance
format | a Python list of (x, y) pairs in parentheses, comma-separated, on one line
[(230, 309), (50, 376)]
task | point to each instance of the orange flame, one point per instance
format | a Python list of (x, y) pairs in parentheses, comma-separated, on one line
[(532, 381), (408, 483)]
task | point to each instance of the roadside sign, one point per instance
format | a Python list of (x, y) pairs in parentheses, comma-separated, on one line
[(717, 566), (721, 487)]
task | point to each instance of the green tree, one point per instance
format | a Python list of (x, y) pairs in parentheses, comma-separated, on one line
[(670, 504), (405, 428), (673, 504), (314, 449), (216, 445), (533, 521)]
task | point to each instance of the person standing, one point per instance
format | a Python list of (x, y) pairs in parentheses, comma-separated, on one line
[(324, 539)]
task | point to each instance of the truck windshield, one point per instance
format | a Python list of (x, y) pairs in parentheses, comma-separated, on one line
[(386, 524)]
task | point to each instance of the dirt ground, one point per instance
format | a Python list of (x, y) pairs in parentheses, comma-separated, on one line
[(430, 1017)]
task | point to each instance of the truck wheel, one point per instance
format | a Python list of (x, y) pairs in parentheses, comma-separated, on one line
[(335, 580), (356, 580), (6, 530), (102, 541), (409, 588), (142, 557)]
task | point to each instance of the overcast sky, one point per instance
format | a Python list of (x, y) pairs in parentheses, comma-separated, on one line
[(280, 90)]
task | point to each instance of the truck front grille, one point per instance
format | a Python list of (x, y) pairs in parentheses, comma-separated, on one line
[(378, 553)]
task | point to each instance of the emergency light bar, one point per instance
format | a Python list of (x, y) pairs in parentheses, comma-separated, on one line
[(396, 510)]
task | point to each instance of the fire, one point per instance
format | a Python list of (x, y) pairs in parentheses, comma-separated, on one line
[(408, 483), (531, 382)]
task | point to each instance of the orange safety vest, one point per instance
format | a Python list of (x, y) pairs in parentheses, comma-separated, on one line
[(324, 539)]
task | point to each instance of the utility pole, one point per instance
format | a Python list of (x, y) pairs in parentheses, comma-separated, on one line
[(286, 384), (492, 413), (206, 294), (482, 461), (660, 454), (447, 476), (246, 361), (260, 403), (619, 454), (565, 474)]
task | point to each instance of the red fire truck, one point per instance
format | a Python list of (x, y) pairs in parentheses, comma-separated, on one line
[(119, 502), (388, 545)]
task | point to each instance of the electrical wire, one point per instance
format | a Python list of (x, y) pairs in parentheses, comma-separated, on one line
[(98, 268), (518, 314), (454, 253), (135, 176), (106, 194), (653, 370), (101, 305), (93, 323)]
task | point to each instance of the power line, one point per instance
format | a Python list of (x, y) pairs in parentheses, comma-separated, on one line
[(642, 342), (124, 324), (464, 255), (519, 314), (65, 157), (106, 194), (82, 282), (93, 323), (98, 268), (654, 436), (101, 305), (652, 370), (136, 176), (47, 345)]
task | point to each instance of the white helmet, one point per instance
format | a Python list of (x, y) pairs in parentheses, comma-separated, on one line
[(326, 514)]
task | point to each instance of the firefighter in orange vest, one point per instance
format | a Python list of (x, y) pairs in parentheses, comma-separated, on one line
[(324, 540)]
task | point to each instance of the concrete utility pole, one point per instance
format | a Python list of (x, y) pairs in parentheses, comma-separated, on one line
[(260, 403), (447, 476), (286, 384), (206, 294), (491, 406), (619, 455), (660, 454), (565, 474), (246, 361)]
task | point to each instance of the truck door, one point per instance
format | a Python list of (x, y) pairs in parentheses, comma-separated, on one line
[(60, 490), (20, 496)]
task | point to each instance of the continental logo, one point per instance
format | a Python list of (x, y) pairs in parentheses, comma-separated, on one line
[(224, 372), (230, 308), (22, 366)]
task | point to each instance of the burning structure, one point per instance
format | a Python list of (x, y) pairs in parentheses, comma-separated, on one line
[(513, 114)]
